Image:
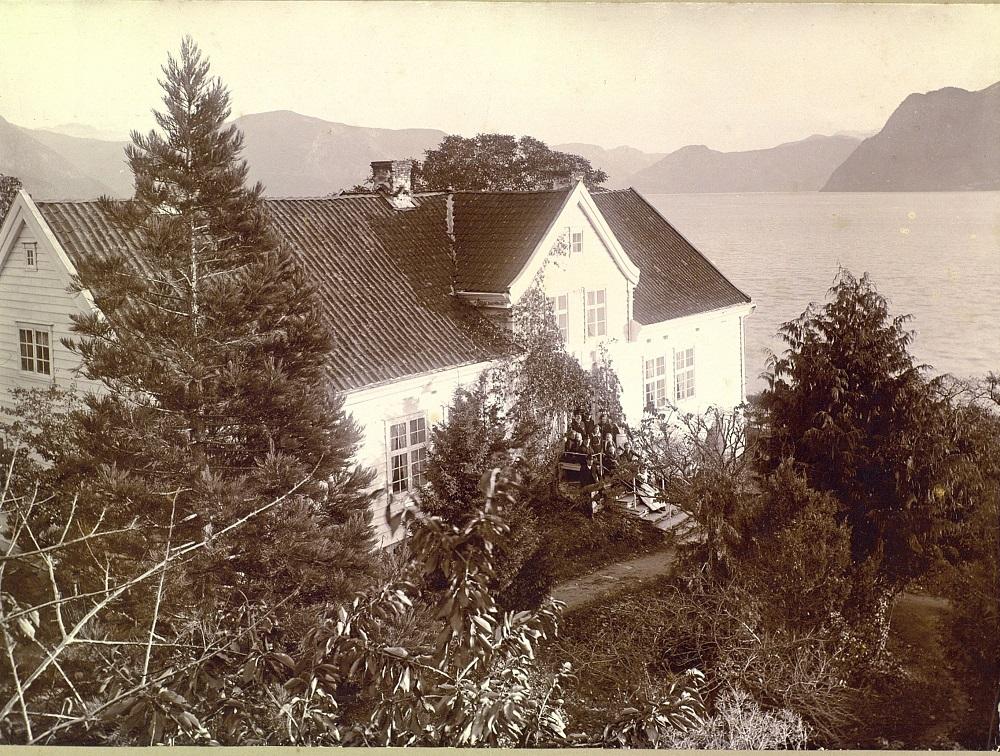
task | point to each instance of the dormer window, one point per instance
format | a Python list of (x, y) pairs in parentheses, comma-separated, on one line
[(31, 255)]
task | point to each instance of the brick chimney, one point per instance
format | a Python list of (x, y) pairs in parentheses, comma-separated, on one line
[(394, 178), (9, 186)]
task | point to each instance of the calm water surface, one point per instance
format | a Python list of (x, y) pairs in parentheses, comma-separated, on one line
[(933, 255)]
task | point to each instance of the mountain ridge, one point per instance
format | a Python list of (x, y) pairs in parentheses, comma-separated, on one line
[(947, 139), (802, 165)]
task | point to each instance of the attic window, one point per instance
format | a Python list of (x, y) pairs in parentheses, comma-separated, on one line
[(575, 241), (31, 255)]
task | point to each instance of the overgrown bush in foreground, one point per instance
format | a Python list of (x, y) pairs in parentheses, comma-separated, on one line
[(397, 665)]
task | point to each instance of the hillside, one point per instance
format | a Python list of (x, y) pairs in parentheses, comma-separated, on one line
[(296, 155), (792, 167), (101, 160), (619, 163), (43, 170), (946, 140)]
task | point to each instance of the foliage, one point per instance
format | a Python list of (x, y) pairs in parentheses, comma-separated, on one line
[(628, 646), (849, 406), (658, 720), (501, 162), (512, 411), (973, 587), (740, 723), (40, 422), (706, 469), (212, 352), (796, 554), (397, 665)]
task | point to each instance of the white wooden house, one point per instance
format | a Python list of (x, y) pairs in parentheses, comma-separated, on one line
[(397, 274)]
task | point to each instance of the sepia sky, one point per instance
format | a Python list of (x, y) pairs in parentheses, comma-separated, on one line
[(654, 76)]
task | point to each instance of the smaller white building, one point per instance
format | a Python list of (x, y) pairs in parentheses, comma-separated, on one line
[(399, 275)]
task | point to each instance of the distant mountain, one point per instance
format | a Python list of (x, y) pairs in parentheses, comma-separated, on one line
[(793, 167), (83, 131), (44, 171), (101, 160), (619, 163), (296, 155), (946, 140)]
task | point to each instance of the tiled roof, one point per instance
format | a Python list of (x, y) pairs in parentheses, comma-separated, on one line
[(496, 232), (382, 275), (675, 278)]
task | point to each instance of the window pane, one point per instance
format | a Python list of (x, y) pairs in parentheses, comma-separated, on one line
[(419, 459), (26, 341), (43, 360), (418, 431), (397, 436), (563, 301), (400, 480)]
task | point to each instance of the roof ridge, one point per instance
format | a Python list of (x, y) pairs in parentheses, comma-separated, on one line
[(509, 191), (67, 201)]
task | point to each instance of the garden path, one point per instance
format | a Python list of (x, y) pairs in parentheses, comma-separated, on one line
[(614, 578)]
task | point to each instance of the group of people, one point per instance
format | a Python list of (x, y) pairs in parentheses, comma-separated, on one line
[(601, 441)]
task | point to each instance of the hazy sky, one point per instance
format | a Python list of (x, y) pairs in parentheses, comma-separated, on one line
[(655, 76)]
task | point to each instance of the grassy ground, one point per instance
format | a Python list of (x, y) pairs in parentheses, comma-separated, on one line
[(915, 701)]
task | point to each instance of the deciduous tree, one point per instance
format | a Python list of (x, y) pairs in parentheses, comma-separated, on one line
[(501, 162)]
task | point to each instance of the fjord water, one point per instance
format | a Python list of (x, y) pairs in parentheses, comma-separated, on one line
[(934, 255)]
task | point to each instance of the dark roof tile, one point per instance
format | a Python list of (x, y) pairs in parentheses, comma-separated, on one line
[(675, 278), (496, 232)]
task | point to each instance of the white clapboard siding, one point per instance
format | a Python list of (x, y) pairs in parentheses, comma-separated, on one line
[(40, 297)]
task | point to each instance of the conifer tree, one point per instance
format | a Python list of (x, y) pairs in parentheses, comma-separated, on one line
[(849, 406), (212, 351)]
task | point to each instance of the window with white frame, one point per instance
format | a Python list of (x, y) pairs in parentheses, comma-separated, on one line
[(683, 374), (31, 255), (575, 240), (597, 313), (35, 346), (407, 454), (655, 382), (560, 308)]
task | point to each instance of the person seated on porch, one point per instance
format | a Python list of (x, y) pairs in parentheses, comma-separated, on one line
[(609, 453), (627, 453), (589, 426), (574, 443), (607, 425), (595, 444), (590, 471), (576, 424)]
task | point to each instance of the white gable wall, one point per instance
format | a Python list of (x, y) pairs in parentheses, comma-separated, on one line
[(377, 407), (39, 298), (592, 269)]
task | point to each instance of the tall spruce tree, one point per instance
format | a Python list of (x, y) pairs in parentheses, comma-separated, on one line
[(210, 346)]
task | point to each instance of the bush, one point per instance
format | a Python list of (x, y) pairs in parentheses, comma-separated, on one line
[(740, 723)]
